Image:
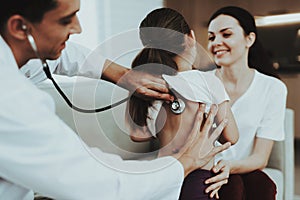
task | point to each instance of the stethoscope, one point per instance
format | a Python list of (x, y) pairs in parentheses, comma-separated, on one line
[(177, 106)]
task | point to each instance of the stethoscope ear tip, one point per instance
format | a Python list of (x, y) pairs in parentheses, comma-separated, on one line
[(32, 43)]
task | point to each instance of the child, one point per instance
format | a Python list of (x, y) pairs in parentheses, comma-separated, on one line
[(170, 51)]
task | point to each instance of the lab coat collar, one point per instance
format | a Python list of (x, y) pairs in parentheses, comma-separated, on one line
[(7, 58)]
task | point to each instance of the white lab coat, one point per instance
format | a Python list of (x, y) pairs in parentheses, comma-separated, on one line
[(39, 152), (76, 60)]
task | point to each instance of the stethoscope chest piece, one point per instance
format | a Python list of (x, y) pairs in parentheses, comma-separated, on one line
[(177, 106)]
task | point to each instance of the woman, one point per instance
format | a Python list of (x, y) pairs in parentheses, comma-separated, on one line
[(170, 51), (257, 100)]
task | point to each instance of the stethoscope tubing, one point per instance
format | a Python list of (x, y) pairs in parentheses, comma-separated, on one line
[(49, 76), (177, 106), (177, 103)]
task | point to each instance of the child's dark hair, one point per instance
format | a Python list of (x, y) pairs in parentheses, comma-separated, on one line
[(162, 34)]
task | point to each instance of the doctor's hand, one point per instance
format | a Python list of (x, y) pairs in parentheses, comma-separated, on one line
[(222, 169), (199, 148), (140, 83), (145, 85)]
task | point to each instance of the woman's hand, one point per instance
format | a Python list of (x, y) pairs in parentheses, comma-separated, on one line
[(222, 168)]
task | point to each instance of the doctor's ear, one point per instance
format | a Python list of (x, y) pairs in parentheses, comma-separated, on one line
[(16, 27)]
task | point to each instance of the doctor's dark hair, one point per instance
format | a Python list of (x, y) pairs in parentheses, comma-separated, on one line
[(32, 10), (162, 34), (258, 58)]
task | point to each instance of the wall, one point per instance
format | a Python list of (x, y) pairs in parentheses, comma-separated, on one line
[(103, 19), (197, 12)]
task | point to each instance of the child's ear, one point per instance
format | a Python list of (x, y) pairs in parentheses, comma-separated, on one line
[(190, 39), (192, 35)]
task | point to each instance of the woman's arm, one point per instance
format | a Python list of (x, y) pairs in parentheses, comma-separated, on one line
[(230, 132), (257, 160)]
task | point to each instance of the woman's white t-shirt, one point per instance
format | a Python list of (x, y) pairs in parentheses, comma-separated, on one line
[(259, 112)]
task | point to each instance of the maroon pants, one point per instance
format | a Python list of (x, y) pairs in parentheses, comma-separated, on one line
[(193, 187), (255, 185)]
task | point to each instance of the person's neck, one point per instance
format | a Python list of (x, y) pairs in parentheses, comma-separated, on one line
[(236, 80), (19, 50), (20, 60), (234, 74), (183, 64)]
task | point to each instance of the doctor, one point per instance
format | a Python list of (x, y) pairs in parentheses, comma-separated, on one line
[(38, 152)]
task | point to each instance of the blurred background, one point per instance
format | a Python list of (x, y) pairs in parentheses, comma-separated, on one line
[(280, 35)]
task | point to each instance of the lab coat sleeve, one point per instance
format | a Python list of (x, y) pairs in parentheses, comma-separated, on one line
[(77, 60), (39, 151), (10, 190)]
